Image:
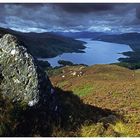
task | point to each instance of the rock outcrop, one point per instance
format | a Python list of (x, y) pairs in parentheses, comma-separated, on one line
[(21, 78)]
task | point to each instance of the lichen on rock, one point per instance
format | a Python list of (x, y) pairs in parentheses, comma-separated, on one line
[(22, 80)]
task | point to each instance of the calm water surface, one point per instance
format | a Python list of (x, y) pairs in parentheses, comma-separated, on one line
[(96, 52)]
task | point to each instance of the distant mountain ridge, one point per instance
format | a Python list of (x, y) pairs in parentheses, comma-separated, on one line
[(125, 38), (46, 44), (82, 34)]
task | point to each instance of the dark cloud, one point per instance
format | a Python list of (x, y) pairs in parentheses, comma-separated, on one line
[(85, 7), (71, 17), (138, 11)]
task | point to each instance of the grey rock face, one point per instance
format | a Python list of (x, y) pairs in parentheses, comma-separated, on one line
[(22, 80)]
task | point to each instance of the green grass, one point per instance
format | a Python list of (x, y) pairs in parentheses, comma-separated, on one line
[(83, 90)]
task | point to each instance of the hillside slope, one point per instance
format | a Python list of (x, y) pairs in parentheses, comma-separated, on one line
[(45, 44), (108, 87)]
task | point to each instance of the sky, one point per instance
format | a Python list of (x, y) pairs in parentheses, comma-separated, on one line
[(71, 17)]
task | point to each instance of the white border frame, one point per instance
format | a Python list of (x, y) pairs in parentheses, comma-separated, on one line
[(69, 1)]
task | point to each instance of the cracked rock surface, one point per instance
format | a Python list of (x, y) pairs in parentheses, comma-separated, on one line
[(21, 79)]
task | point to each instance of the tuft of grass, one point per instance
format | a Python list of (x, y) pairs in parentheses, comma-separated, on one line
[(121, 128), (118, 129), (125, 130), (93, 130)]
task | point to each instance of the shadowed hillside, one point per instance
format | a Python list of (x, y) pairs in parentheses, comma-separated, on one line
[(72, 117)]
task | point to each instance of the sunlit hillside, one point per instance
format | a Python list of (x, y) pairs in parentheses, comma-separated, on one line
[(107, 87)]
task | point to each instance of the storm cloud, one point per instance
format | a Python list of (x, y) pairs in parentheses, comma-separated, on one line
[(85, 8), (36, 17)]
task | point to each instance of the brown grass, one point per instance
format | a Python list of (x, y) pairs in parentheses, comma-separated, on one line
[(109, 86)]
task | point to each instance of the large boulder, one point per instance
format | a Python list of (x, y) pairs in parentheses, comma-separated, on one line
[(21, 78)]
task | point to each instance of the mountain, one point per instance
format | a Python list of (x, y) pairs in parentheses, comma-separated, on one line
[(126, 38), (83, 34), (46, 44)]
